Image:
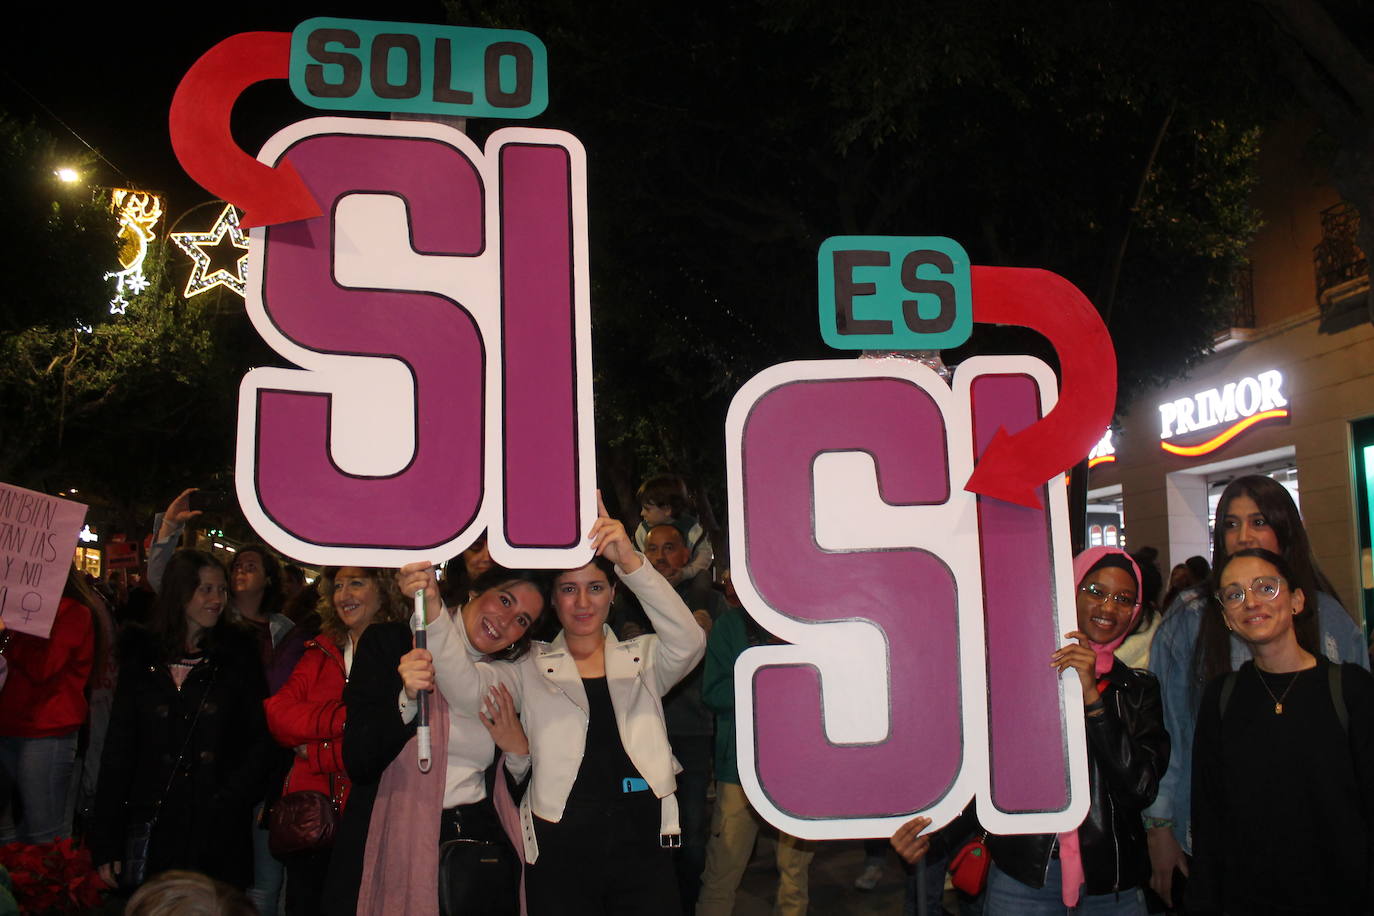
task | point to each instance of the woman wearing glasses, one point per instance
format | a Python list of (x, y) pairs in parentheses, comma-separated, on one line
[(1101, 867), (1283, 765), (1192, 646)]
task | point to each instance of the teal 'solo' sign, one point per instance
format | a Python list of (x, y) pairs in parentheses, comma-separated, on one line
[(360, 65), (879, 292)]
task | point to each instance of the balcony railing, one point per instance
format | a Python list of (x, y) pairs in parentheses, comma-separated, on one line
[(1243, 297), (1342, 269)]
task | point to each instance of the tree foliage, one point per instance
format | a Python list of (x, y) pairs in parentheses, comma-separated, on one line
[(727, 141), (48, 228), (122, 407)]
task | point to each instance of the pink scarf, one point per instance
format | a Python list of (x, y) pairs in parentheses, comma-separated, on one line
[(1070, 857), (401, 862)]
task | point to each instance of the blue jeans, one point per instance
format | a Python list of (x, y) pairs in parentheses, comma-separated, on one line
[(40, 772), (1008, 897), (268, 872)]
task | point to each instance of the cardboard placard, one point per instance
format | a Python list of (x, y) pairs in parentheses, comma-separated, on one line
[(439, 312), (38, 534)]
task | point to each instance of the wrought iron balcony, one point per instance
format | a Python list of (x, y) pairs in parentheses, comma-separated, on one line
[(1342, 270)]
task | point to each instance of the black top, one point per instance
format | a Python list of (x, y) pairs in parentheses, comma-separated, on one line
[(605, 765), (197, 757), (1283, 804), (373, 735)]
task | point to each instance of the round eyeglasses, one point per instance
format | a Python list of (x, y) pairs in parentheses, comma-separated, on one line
[(1098, 593), (1265, 588)]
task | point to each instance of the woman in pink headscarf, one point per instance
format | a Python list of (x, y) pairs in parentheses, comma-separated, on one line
[(1101, 867)]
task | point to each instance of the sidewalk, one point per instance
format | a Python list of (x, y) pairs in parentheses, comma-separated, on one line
[(837, 864)]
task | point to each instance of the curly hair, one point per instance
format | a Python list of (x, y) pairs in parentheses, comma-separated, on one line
[(393, 604)]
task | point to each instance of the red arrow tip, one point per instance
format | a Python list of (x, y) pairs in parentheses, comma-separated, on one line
[(289, 201), (1002, 473)]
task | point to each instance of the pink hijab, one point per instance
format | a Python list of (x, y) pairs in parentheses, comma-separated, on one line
[(1070, 857)]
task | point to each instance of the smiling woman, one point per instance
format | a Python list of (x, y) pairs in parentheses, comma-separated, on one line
[(1288, 733), (601, 817), (187, 748), (308, 713), (1102, 866)]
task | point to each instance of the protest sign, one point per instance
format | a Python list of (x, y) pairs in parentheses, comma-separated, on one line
[(435, 297), (37, 536)]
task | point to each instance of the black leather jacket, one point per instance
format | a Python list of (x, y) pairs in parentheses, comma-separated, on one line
[(1128, 751)]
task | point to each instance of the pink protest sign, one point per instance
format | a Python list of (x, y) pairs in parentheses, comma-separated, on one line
[(434, 296), (37, 536), (438, 311), (920, 614)]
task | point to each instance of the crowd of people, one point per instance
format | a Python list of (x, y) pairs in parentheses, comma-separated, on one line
[(241, 733)]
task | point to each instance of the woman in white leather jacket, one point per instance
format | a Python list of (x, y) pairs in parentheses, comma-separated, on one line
[(599, 819)]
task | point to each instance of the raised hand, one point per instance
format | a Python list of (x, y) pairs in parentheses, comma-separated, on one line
[(416, 576), (609, 540)]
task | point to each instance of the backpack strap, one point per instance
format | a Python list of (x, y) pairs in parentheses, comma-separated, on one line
[(1334, 681), (1228, 687)]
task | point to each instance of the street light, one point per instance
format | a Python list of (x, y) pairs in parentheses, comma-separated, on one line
[(67, 175)]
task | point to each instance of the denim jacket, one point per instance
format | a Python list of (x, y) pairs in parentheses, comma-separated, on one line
[(1171, 660)]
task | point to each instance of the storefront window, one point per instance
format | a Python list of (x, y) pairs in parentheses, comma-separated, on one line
[(1362, 440)]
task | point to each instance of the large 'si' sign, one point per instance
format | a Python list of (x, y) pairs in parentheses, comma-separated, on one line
[(906, 536), (921, 611), (433, 295)]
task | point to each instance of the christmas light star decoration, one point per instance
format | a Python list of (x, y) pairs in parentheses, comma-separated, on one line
[(197, 246), (138, 212)]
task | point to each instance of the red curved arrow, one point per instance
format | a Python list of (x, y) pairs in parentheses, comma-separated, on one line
[(1013, 467), (199, 125)]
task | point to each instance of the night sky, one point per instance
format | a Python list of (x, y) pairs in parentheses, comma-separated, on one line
[(110, 77)]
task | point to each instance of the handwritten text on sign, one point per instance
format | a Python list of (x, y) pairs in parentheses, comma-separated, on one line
[(37, 536)]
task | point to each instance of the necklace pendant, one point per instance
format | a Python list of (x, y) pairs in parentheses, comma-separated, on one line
[(1278, 709)]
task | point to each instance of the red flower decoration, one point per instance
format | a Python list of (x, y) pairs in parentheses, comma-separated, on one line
[(52, 878)]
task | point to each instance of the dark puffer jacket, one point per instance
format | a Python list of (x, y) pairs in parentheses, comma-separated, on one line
[(1128, 751), (205, 817)]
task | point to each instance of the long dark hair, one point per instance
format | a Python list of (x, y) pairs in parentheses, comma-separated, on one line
[(271, 570), (1213, 654), (179, 585), (499, 577), (1214, 631)]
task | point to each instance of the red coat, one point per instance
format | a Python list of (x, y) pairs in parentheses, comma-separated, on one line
[(309, 710), (45, 695)]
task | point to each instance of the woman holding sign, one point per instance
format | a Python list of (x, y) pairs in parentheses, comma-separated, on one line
[(1101, 867), (389, 852), (1284, 745), (600, 819)]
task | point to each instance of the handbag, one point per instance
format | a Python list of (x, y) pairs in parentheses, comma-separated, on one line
[(968, 870), (302, 822), (138, 835), (478, 878)]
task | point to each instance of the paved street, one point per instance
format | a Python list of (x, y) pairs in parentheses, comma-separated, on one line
[(833, 871)]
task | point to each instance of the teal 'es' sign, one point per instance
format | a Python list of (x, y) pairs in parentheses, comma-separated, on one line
[(359, 65), (881, 292)]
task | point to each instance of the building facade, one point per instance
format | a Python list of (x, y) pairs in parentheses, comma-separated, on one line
[(1289, 392)]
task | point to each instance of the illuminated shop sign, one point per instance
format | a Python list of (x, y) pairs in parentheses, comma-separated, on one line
[(1232, 409), (1103, 452)]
